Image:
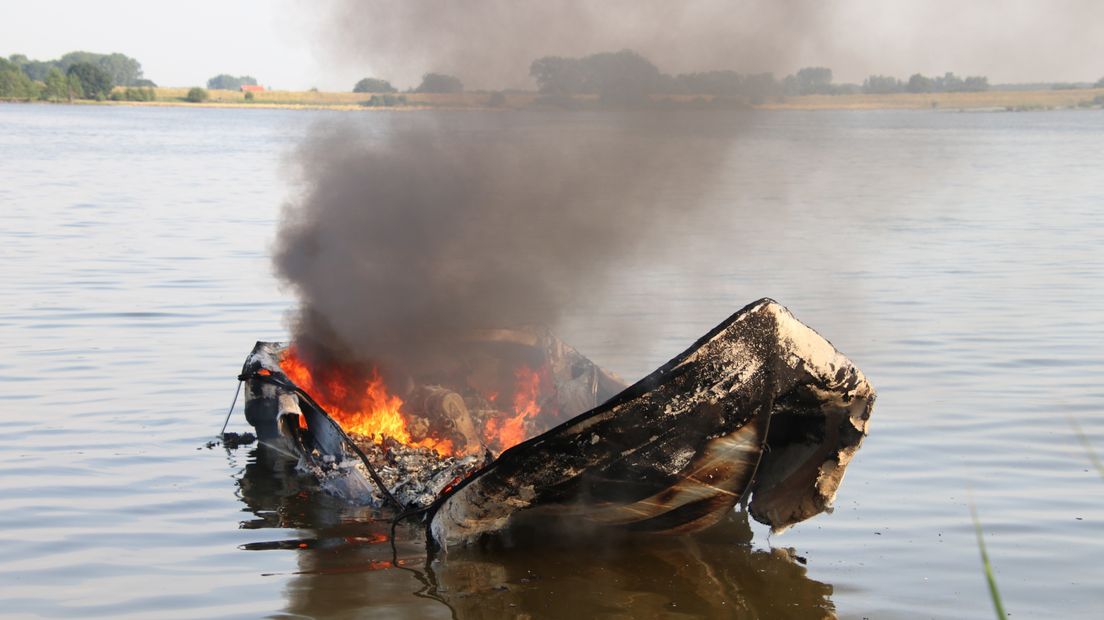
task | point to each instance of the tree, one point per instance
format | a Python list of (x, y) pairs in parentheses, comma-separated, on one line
[(920, 84), (75, 91), (388, 100), (73, 58), (882, 84), (95, 82), (124, 70), (57, 85), (196, 95), (949, 83), (14, 84), (623, 76), (946, 83), (373, 85), (439, 83), (759, 86), (35, 69), (976, 83), (225, 81), (131, 93), (813, 81), (558, 76), (1099, 83)]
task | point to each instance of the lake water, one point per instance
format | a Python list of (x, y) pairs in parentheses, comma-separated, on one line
[(956, 258)]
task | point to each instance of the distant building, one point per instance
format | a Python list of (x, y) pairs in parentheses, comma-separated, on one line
[(252, 88)]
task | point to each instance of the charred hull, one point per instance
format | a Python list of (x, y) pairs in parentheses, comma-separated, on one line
[(761, 410), (762, 407)]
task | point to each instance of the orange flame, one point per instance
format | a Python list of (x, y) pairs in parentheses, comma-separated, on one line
[(508, 432), (366, 409)]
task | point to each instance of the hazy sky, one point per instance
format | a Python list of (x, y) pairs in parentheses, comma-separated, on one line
[(292, 44)]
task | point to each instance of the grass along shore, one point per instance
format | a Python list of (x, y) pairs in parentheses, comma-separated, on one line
[(991, 99), (312, 99)]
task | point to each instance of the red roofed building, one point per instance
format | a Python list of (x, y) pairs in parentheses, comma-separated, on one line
[(252, 88)]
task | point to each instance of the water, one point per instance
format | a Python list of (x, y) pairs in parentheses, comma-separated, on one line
[(956, 258)]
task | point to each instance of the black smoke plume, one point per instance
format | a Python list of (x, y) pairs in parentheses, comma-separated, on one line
[(406, 240), (490, 43), (412, 230)]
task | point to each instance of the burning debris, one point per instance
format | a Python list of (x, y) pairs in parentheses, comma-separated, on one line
[(518, 426), (416, 476), (339, 418)]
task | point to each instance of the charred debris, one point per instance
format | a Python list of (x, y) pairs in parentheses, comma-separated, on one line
[(761, 411)]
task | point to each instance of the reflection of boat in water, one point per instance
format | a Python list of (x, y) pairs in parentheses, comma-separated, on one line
[(715, 573), (348, 568)]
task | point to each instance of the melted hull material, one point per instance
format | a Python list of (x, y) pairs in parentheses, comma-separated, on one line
[(761, 408)]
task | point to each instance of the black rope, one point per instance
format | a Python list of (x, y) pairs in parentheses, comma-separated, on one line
[(348, 440), (429, 586), (232, 404)]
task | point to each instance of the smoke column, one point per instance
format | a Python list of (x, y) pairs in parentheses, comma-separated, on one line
[(490, 43), (406, 242), (414, 229)]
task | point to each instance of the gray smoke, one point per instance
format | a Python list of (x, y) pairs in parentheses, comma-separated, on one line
[(490, 43), (404, 243), (413, 230)]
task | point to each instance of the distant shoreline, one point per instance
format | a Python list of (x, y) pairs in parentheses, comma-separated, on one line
[(1011, 100), (990, 99)]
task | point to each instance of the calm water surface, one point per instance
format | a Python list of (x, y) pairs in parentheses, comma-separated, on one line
[(958, 259)]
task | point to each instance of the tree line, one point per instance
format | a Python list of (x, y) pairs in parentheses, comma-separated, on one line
[(917, 83), (76, 75), (618, 77), (627, 76), (224, 81), (431, 83), (123, 70)]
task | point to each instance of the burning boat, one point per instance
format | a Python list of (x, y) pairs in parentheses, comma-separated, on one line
[(519, 428)]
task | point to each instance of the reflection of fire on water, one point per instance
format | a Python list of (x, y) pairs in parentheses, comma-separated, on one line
[(358, 399)]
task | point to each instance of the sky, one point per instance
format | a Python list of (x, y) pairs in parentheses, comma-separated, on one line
[(296, 44)]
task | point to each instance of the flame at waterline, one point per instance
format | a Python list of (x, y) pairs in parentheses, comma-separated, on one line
[(362, 405)]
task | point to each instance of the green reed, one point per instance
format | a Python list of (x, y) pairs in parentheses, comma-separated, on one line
[(994, 594), (1088, 446)]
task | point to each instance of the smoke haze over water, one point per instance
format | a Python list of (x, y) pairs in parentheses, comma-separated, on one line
[(490, 43), (413, 229)]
